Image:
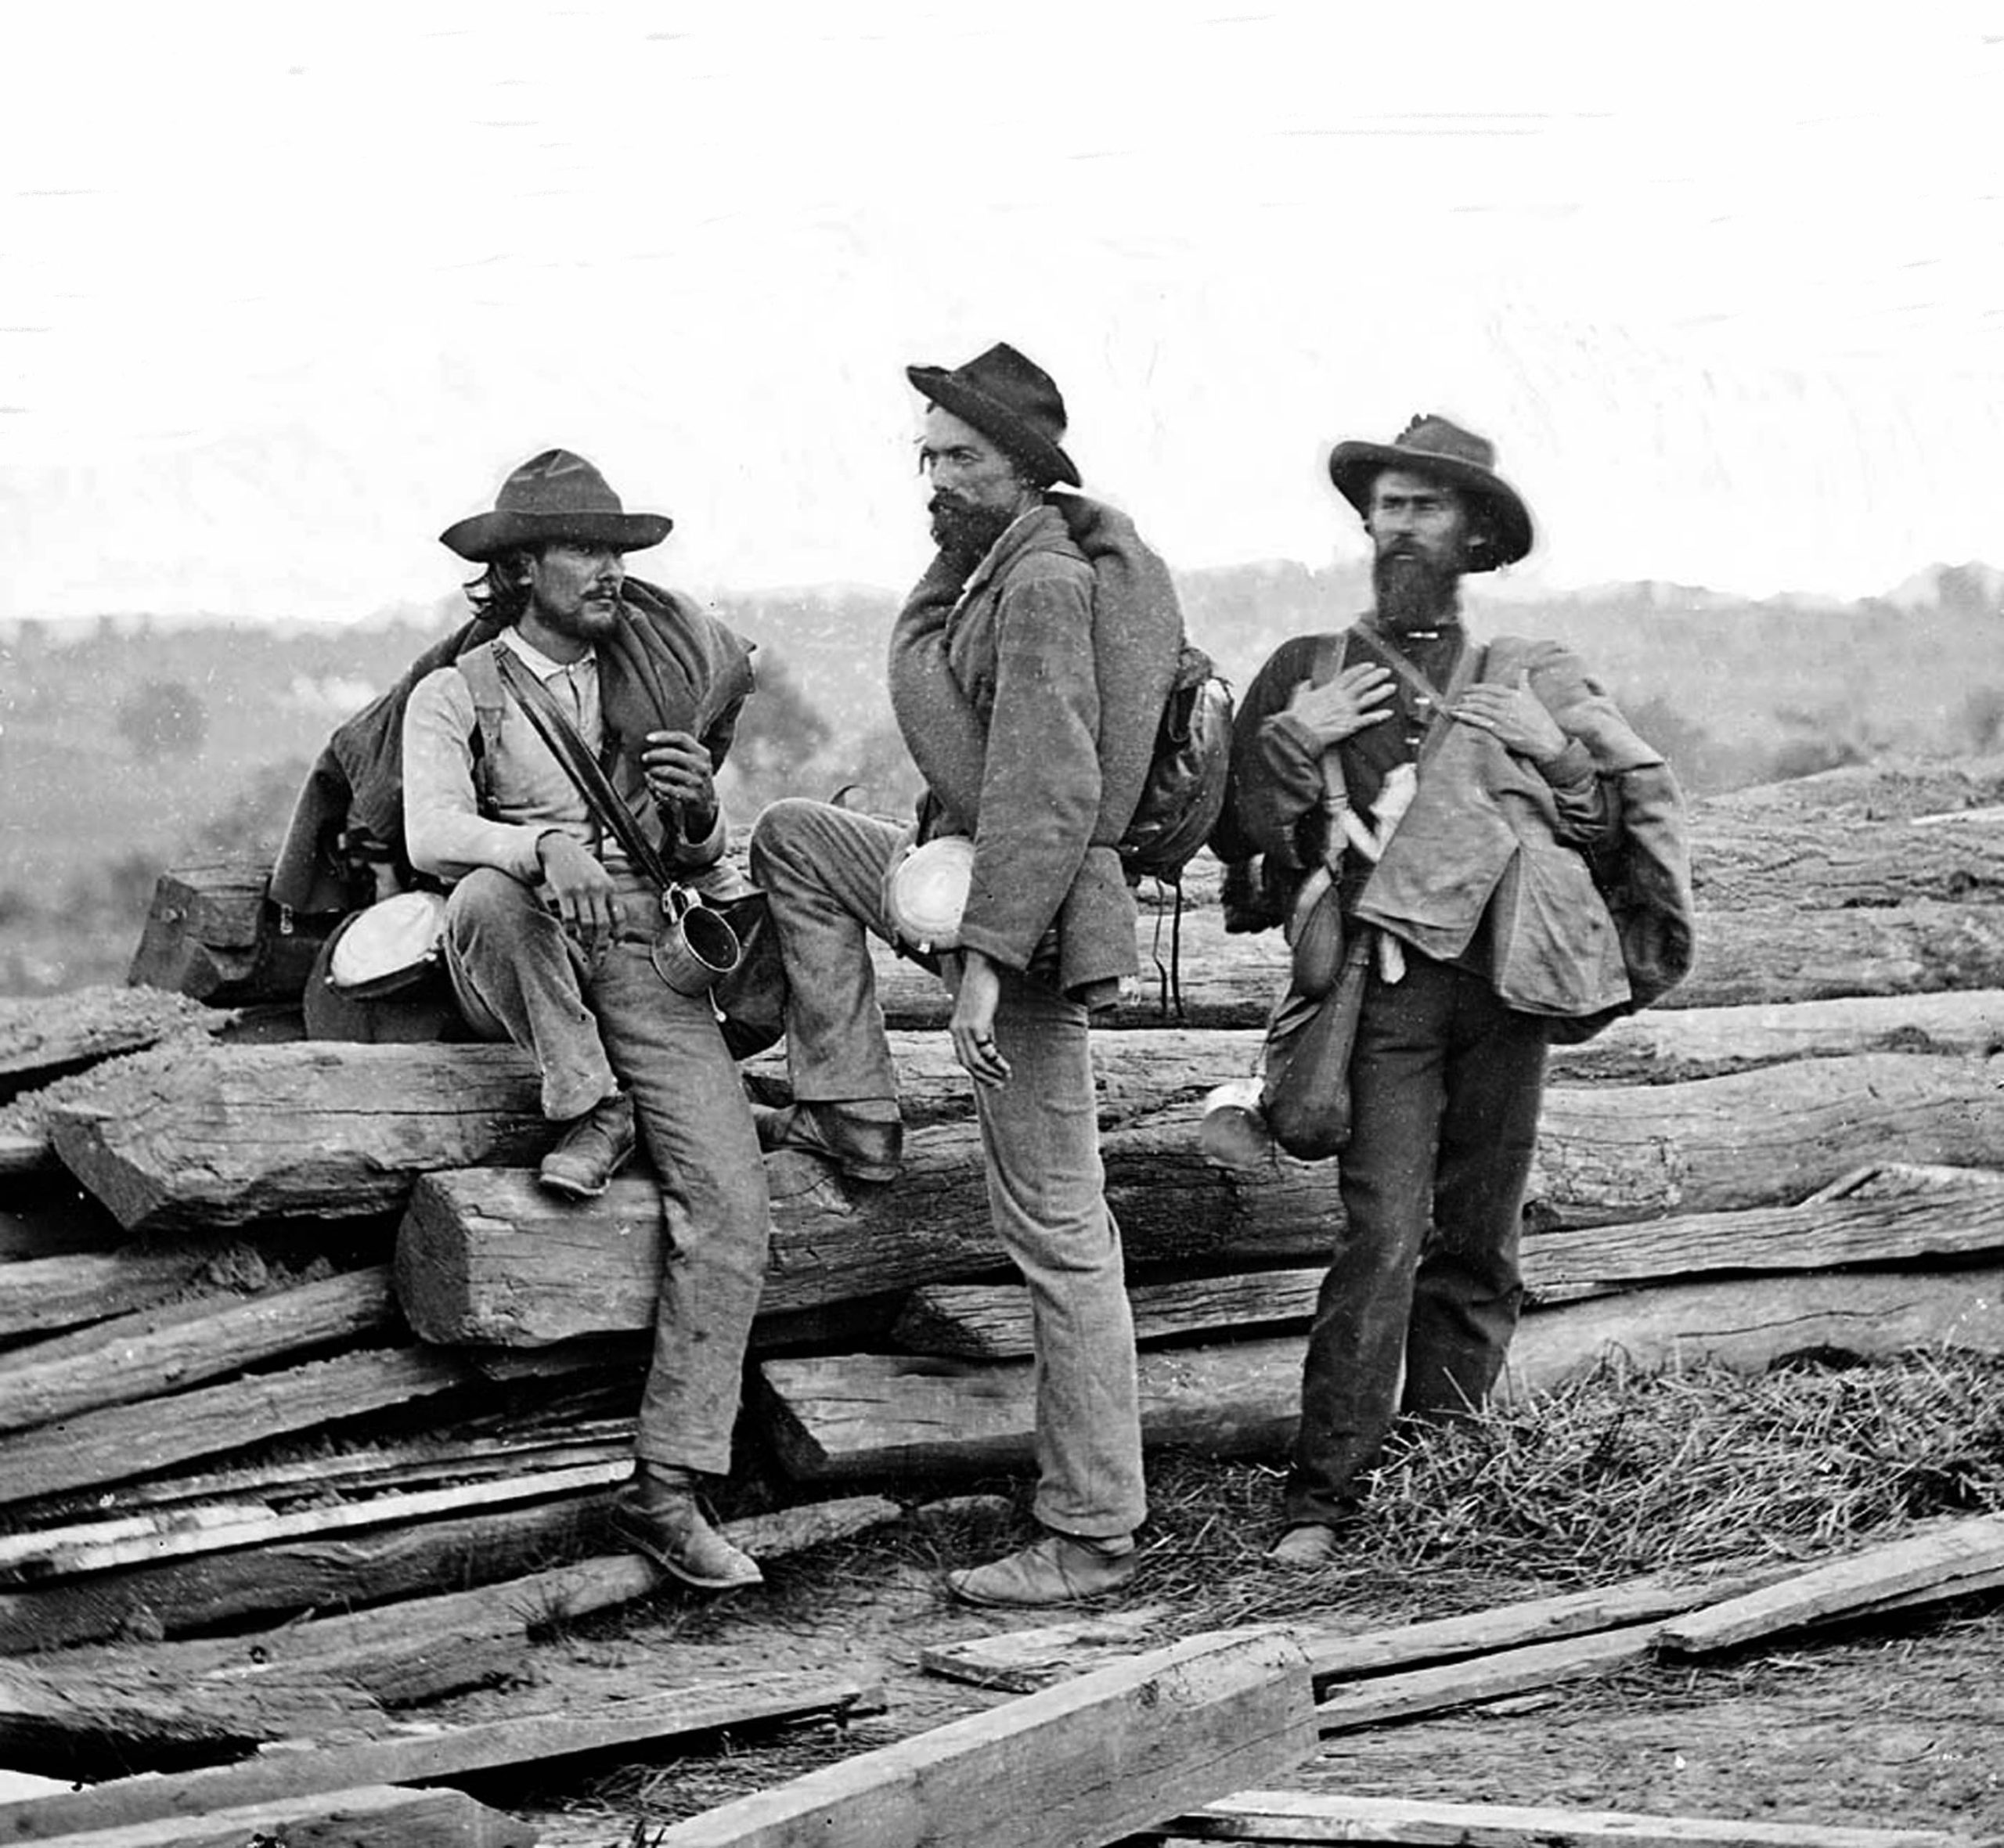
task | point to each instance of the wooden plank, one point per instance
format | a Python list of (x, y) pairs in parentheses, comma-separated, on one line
[(1335, 1655), (46, 1036), (1844, 1586), (327, 1572), (379, 1816), (484, 1557), (1479, 1679), (57, 1555), (1021, 1661), (845, 1417), (1303, 1816), (225, 1135), (992, 1321), (124, 1441), (434, 1752), (43, 1294), (151, 1353), (1104, 1755)]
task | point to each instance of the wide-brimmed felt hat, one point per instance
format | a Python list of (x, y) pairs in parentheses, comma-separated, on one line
[(555, 495), (1012, 401), (1430, 446)]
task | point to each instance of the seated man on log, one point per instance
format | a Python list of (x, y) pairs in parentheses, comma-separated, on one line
[(548, 929), (1027, 669), (1535, 886)]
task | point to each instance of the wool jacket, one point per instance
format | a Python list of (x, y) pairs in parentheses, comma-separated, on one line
[(1030, 698), (1567, 886), (670, 666)]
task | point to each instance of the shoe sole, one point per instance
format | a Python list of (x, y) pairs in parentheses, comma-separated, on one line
[(570, 1190), (643, 1543), (979, 1602)]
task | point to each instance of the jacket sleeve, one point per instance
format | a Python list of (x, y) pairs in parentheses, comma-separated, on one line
[(1276, 780), (445, 834), (1040, 783)]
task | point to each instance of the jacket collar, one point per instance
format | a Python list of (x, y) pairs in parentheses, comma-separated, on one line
[(1031, 530)]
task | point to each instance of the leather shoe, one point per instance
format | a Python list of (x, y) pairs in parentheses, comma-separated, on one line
[(863, 1148), (665, 1525), (1054, 1570), (592, 1148), (1303, 1548)]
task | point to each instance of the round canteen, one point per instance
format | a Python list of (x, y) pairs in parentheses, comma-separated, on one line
[(928, 892), (388, 945)]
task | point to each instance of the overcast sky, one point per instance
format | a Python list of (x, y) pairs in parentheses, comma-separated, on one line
[(287, 289)]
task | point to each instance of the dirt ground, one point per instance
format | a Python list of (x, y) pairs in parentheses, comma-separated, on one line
[(1902, 1726)]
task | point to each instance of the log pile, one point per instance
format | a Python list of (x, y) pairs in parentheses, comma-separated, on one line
[(287, 1327)]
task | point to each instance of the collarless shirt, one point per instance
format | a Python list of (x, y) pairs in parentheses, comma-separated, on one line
[(528, 791)]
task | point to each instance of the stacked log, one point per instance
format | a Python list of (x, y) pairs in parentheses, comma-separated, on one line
[(287, 1326)]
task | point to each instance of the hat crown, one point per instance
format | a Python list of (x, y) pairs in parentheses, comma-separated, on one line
[(1430, 434), (557, 481), (1011, 400)]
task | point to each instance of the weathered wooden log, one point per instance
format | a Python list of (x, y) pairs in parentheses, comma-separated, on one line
[(1102, 1755), (1758, 957), (156, 1352), (855, 1416), (382, 1815), (442, 1752), (992, 1321), (483, 1255), (1308, 1817), (212, 934), (124, 1441), (1141, 1069), (40, 1294), (1738, 864), (231, 1135), (52, 1035)]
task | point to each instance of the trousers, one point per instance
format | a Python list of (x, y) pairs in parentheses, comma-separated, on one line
[(1420, 1298), (594, 1027), (823, 870)]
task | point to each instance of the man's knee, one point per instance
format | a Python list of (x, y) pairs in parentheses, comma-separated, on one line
[(490, 913), (781, 832)]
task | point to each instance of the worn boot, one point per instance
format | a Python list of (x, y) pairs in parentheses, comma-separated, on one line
[(592, 1149), (864, 1139), (1057, 1569), (657, 1516)]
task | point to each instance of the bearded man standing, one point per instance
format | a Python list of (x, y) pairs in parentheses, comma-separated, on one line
[(1031, 713), (549, 929), (1478, 807)]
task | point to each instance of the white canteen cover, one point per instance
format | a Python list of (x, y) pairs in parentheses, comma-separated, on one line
[(395, 937), (928, 892)]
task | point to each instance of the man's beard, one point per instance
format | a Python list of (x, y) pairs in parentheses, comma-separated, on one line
[(965, 533), (1413, 591)]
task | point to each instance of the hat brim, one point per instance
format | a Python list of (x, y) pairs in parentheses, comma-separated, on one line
[(486, 536), (1353, 466), (994, 420)]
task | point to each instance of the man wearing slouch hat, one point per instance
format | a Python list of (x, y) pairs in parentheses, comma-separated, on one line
[(549, 927), (1028, 672), (1508, 858)]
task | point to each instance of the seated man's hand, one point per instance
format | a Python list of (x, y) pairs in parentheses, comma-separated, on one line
[(678, 779), (581, 888)]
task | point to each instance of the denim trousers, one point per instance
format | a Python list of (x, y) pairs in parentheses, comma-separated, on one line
[(823, 870), (595, 1026), (1420, 1298)]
